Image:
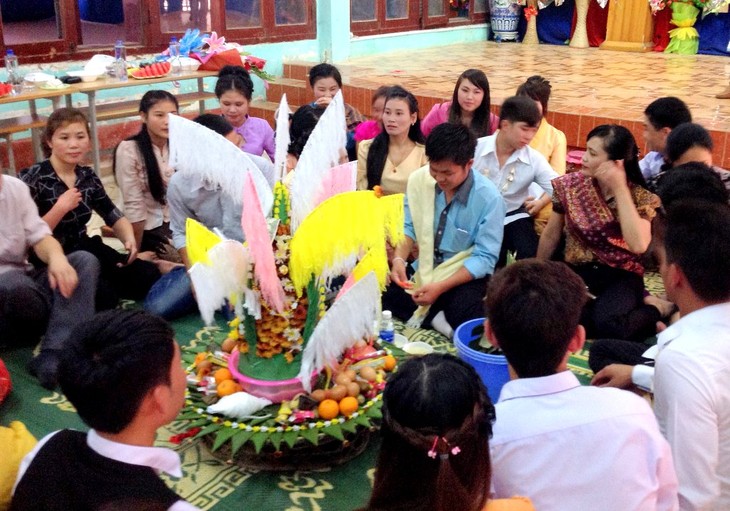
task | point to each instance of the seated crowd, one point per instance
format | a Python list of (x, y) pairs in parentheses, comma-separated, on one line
[(480, 191)]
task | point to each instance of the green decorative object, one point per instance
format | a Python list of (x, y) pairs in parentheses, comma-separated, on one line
[(684, 39)]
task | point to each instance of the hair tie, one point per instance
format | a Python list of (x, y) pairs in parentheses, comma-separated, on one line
[(444, 456), (432, 451)]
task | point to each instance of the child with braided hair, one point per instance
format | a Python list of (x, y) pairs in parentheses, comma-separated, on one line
[(437, 420)]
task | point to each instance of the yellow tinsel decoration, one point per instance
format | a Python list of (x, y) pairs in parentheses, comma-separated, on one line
[(348, 224), (376, 261)]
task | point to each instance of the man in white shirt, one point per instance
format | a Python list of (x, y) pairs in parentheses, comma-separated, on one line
[(625, 364), (512, 165), (565, 446), (660, 118), (692, 374), (122, 372)]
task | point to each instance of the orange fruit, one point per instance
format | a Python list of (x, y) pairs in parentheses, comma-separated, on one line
[(227, 387), (389, 363), (222, 375), (328, 409), (348, 406)]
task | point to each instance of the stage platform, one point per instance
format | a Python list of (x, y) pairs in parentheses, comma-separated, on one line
[(590, 86)]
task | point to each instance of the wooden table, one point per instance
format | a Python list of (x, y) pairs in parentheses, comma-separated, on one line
[(115, 109), (127, 108), (32, 122)]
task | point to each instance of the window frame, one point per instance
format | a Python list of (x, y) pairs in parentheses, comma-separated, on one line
[(418, 19), (153, 40), (381, 25)]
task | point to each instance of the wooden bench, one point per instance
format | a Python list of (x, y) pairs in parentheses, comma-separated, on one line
[(121, 109)]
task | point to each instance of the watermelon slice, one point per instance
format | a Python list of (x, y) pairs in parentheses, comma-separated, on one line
[(155, 70)]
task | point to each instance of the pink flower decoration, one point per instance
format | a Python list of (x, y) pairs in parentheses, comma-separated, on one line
[(215, 43)]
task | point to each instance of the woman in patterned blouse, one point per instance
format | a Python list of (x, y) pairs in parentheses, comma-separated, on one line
[(605, 212), (66, 192)]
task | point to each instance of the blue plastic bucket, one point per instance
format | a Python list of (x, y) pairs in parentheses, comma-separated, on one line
[(492, 369)]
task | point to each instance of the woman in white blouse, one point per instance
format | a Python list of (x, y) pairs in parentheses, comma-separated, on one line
[(142, 173), (390, 158)]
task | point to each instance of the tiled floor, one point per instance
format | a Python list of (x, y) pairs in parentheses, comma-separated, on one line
[(590, 86)]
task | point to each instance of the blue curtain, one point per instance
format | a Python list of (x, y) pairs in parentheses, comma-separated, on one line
[(714, 32), (102, 11), (554, 23), (27, 10)]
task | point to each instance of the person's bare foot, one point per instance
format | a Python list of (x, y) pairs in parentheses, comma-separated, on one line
[(665, 307)]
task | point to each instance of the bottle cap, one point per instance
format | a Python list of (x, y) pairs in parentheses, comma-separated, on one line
[(387, 315), (173, 40), (10, 51)]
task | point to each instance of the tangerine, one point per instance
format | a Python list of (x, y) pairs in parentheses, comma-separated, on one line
[(222, 375), (389, 363), (328, 409), (348, 406), (227, 387)]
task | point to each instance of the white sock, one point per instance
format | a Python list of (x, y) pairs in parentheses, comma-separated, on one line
[(442, 326)]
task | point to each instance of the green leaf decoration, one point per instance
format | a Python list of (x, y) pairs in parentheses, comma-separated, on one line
[(223, 436), (374, 412), (350, 426), (239, 439), (259, 439), (257, 422), (270, 369), (210, 428), (188, 415), (249, 333), (334, 431), (362, 420), (291, 438), (203, 421), (311, 434), (312, 309), (275, 438)]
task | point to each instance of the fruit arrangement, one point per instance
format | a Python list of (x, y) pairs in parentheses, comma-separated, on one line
[(147, 71), (342, 403), (5, 89)]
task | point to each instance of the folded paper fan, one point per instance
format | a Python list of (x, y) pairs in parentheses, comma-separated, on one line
[(339, 230), (192, 147), (348, 320), (198, 240), (259, 245), (282, 138), (321, 152), (339, 179), (230, 260), (209, 291)]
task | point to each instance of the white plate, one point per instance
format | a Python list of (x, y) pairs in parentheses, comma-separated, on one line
[(38, 78), (417, 348), (399, 340)]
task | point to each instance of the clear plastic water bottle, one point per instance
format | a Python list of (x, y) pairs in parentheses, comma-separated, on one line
[(14, 77), (175, 64), (120, 61), (387, 329)]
